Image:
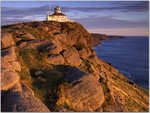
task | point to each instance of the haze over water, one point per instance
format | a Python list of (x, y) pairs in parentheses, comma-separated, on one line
[(129, 55)]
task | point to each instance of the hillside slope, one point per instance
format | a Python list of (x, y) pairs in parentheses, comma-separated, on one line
[(50, 66)]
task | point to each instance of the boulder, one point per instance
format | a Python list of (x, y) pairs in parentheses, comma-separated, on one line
[(71, 56), (9, 54), (9, 76), (83, 53), (18, 39), (56, 50), (16, 66), (34, 44), (7, 40), (51, 47), (28, 36), (27, 89), (100, 109), (61, 39), (23, 102), (13, 65), (16, 88), (84, 93), (72, 37), (46, 46), (25, 36), (81, 41), (96, 76), (8, 79), (22, 44), (9, 60), (55, 59), (74, 74), (103, 75)]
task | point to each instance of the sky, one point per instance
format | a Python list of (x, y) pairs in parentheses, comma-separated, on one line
[(126, 18)]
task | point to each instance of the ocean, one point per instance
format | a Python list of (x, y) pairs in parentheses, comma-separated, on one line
[(129, 55)]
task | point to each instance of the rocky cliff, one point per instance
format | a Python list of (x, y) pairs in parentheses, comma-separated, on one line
[(50, 66)]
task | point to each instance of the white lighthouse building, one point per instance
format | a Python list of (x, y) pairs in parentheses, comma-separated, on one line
[(57, 16)]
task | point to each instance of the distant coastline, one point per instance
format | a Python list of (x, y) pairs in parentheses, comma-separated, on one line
[(98, 38)]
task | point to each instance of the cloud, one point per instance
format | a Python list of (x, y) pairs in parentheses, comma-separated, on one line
[(120, 6), (23, 11), (20, 14), (134, 6), (111, 22), (13, 15), (130, 6)]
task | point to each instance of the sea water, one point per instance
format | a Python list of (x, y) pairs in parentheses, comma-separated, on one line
[(129, 55)]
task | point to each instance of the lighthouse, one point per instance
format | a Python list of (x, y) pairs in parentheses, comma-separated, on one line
[(57, 10), (57, 16)]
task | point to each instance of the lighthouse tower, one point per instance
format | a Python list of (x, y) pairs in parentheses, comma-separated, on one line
[(57, 16), (57, 10)]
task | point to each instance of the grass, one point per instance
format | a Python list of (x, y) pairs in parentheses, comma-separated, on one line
[(133, 106), (24, 74), (107, 102), (79, 46), (104, 86), (34, 59), (37, 33), (86, 66), (45, 85)]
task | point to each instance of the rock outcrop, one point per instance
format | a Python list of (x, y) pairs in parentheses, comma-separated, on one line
[(82, 91), (55, 59), (72, 57), (23, 101), (7, 40), (51, 66), (10, 67), (15, 98)]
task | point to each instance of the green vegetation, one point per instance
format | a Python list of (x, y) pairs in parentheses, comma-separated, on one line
[(86, 66), (45, 84), (37, 33), (133, 106), (104, 86), (33, 58), (79, 46), (108, 101), (44, 77)]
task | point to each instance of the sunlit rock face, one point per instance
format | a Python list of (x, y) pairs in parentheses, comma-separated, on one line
[(51, 66)]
